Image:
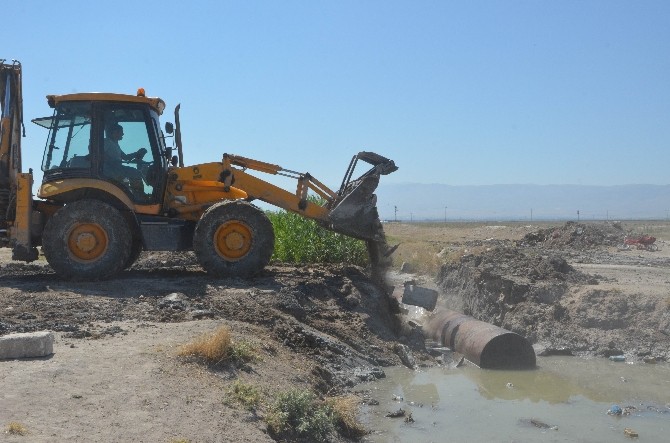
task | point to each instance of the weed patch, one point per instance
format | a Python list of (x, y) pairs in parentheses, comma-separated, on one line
[(298, 413), (16, 428), (243, 352), (246, 394)]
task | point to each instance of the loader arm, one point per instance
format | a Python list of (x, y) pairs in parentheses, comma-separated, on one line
[(351, 211), (234, 174)]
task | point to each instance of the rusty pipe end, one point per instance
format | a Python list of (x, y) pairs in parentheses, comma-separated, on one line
[(484, 344), (508, 351)]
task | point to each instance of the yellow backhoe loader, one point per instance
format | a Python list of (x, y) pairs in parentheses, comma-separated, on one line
[(112, 188)]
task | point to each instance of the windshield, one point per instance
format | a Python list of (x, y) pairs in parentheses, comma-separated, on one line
[(69, 136)]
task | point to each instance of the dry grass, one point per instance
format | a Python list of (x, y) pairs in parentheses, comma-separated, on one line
[(213, 347), (421, 257), (345, 409), (660, 230), (16, 428), (219, 346)]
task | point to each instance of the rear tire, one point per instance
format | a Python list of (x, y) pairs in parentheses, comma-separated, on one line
[(87, 240), (233, 239)]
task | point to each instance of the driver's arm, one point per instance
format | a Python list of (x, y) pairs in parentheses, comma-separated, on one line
[(137, 155)]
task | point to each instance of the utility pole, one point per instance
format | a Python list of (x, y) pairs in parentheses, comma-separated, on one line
[(411, 217), (577, 214), (395, 217)]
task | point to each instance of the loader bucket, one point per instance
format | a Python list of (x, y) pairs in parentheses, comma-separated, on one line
[(354, 211)]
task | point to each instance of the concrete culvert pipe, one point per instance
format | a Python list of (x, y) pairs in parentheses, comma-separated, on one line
[(484, 344)]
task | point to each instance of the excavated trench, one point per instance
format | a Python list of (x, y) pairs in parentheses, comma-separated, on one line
[(567, 291)]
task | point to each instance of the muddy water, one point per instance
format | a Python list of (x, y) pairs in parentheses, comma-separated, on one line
[(565, 400)]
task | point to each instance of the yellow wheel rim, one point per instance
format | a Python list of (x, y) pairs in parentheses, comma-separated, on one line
[(87, 242), (232, 240)]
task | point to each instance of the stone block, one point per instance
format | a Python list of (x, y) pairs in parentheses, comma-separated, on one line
[(26, 345), (419, 296)]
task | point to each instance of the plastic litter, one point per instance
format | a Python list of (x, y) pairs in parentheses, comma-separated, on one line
[(628, 432), (615, 410)]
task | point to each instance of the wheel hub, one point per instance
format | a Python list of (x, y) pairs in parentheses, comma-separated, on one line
[(87, 241), (233, 240)]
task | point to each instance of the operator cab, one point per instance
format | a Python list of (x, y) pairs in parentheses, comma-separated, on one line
[(114, 138)]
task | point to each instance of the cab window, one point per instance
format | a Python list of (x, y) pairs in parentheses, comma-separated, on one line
[(69, 141)]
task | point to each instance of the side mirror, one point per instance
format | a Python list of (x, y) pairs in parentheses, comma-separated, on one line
[(169, 128), (174, 160)]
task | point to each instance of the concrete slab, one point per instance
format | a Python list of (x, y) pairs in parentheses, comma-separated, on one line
[(26, 345), (419, 296)]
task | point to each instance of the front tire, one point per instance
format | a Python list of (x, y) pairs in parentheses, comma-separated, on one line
[(135, 251), (233, 239), (87, 240)]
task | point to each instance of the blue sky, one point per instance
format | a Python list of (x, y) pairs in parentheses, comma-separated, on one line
[(459, 93)]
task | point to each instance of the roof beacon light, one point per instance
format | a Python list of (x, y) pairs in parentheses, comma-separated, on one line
[(140, 92)]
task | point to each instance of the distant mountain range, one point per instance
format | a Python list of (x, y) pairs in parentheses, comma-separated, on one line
[(419, 202)]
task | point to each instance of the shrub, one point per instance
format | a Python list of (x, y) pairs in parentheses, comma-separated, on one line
[(298, 412)]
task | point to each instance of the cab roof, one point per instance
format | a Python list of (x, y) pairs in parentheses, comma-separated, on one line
[(157, 104)]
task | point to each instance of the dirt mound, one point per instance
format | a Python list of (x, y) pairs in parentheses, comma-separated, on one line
[(490, 284), (514, 262), (577, 235), (549, 301)]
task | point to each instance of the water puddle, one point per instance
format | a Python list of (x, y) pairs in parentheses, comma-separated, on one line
[(565, 400)]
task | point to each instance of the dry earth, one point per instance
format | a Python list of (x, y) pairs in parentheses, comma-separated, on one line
[(566, 287), (115, 375)]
